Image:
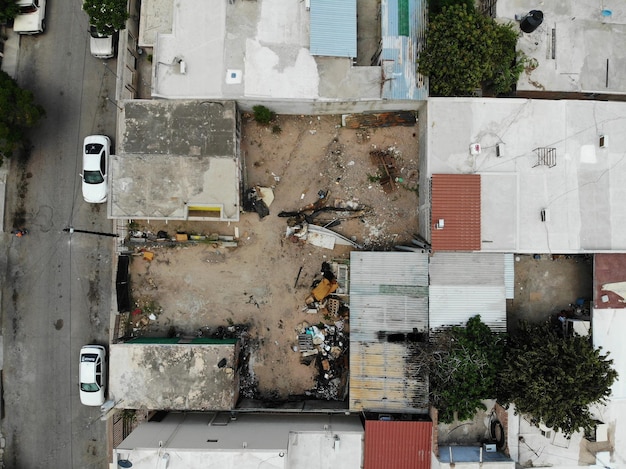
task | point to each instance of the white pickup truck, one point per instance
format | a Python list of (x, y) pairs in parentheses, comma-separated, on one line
[(32, 17)]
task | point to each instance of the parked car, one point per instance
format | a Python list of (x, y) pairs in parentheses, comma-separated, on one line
[(31, 18), (92, 375), (96, 151), (101, 45)]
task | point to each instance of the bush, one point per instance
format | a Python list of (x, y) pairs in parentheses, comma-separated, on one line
[(263, 115), (465, 369), (466, 51)]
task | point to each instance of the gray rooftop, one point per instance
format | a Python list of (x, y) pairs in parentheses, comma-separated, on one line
[(264, 51), (171, 376), (250, 441), (173, 157), (579, 47), (583, 192)]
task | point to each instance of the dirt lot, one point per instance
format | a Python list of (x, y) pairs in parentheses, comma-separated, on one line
[(194, 286)]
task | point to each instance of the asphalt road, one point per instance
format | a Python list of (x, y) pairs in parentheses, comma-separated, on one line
[(56, 295)]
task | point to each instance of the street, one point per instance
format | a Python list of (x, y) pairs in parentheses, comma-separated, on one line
[(56, 291)]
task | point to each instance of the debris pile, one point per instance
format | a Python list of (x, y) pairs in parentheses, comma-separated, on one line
[(161, 238), (386, 163), (258, 199), (327, 346)]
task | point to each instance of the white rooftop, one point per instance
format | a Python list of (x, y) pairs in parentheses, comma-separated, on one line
[(582, 195), (245, 50), (198, 441), (579, 47)]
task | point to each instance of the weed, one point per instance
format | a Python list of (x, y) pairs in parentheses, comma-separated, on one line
[(263, 115), (373, 177), (276, 129)]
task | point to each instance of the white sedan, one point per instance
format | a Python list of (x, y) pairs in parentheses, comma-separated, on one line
[(92, 375), (96, 150)]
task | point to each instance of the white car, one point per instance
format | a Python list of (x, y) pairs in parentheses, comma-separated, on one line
[(96, 150), (31, 18), (101, 45), (92, 375)]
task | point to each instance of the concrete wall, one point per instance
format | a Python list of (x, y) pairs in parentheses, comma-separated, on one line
[(314, 107)]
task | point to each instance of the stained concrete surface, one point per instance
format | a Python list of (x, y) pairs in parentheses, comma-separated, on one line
[(547, 285)]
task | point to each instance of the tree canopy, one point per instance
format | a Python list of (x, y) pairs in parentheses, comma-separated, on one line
[(465, 369), (554, 379), (108, 16), (19, 113), (8, 10), (466, 51)]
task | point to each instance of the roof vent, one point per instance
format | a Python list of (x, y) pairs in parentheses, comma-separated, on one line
[(603, 141), (545, 215), (439, 225), (499, 150), (475, 149)]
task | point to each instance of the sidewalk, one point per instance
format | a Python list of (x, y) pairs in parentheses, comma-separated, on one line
[(10, 52), (9, 65)]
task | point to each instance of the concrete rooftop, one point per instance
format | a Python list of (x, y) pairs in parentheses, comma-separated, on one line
[(583, 192), (257, 52), (173, 156), (579, 47), (166, 376), (195, 441)]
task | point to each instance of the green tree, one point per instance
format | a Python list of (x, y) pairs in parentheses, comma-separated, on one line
[(108, 16), (19, 113), (8, 10), (466, 51), (553, 379), (465, 369)]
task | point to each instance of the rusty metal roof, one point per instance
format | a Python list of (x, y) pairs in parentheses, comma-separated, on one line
[(455, 213), (398, 444)]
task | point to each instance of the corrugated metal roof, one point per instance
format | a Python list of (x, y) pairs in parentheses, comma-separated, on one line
[(455, 200), (453, 305), (333, 28), (466, 268), (400, 50), (398, 445), (388, 295), (388, 292), (384, 376), (509, 276)]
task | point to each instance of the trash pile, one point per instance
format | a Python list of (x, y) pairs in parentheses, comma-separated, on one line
[(326, 343), (327, 346), (163, 238), (258, 199), (311, 223)]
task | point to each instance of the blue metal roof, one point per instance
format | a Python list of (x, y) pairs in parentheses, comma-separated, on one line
[(403, 29), (333, 28)]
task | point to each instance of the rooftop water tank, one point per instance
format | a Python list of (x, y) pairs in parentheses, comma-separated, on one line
[(531, 21)]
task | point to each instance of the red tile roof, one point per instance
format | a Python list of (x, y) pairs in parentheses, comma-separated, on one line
[(455, 199), (608, 268), (398, 445)]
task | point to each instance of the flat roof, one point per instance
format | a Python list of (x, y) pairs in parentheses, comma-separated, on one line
[(173, 156), (580, 196), (265, 50), (247, 441), (579, 47), (173, 376)]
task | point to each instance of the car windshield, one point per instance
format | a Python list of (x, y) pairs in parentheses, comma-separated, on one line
[(93, 148), (89, 387), (93, 177)]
